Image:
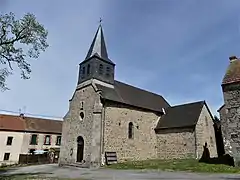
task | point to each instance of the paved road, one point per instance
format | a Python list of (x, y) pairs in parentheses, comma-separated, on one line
[(52, 170)]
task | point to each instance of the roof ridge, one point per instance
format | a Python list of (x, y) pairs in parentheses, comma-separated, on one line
[(195, 102), (17, 116), (148, 91)]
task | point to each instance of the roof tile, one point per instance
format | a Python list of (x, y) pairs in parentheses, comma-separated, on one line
[(33, 124)]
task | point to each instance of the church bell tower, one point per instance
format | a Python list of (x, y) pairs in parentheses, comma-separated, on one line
[(97, 65)]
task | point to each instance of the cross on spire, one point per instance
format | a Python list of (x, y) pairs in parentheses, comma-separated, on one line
[(100, 21)]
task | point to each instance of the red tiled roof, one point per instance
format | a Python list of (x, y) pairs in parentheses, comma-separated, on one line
[(233, 72), (17, 123), (8, 122)]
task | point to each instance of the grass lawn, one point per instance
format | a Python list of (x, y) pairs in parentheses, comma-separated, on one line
[(190, 165)]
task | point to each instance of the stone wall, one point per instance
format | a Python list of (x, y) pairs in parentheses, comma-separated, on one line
[(231, 94), (143, 145), (224, 125), (205, 133), (175, 143), (85, 100)]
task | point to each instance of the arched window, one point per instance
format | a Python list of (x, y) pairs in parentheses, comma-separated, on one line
[(130, 130), (108, 71), (100, 69), (88, 69)]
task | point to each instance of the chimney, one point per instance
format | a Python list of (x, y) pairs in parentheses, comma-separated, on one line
[(21, 115), (232, 58)]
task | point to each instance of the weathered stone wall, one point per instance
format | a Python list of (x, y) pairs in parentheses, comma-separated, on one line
[(223, 120), (84, 100), (205, 133), (224, 127), (143, 145), (175, 143), (231, 94)]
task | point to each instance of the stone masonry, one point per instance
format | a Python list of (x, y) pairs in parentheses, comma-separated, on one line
[(205, 133), (231, 127), (176, 143), (143, 145), (86, 100), (188, 142)]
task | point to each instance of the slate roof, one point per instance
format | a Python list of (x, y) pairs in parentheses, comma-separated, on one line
[(233, 71), (185, 115), (130, 95), (98, 46), (29, 124)]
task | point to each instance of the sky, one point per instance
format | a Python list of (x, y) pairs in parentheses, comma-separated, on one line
[(178, 49)]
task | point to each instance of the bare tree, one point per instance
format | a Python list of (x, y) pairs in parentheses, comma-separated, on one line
[(20, 40)]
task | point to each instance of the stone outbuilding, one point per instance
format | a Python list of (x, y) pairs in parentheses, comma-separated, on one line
[(106, 115)]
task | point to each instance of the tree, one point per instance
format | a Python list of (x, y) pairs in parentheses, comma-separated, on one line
[(20, 40)]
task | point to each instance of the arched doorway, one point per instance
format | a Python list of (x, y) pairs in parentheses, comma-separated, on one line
[(80, 148)]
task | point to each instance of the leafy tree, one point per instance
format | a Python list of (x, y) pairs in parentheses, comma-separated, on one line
[(20, 39)]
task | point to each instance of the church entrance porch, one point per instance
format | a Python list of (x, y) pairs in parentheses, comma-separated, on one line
[(80, 148)]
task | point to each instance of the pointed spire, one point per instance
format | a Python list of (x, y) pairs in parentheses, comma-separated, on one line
[(98, 46)]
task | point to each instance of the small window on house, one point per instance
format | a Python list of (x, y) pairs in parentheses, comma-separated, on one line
[(9, 141), (6, 156), (206, 121), (58, 141), (100, 69), (108, 71), (47, 140), (88, 69), (83, 72), (130, 130), (33, 140)]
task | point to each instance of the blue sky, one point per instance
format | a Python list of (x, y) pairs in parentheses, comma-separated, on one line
[(178, 49)]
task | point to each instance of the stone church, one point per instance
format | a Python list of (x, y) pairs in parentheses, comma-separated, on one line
[(106, 115), (230, 111)]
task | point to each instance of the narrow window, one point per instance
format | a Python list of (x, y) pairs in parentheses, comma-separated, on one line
[(88, 69), (211, 140), (33, 140), (100, 69), (47, 140), (108, 71), (9, 141), (130, 130), (83, 72), (58, 141), (81, 116), (206, 121), (6, 156)]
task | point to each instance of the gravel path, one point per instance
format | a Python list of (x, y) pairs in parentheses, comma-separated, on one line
[(52, 170)]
